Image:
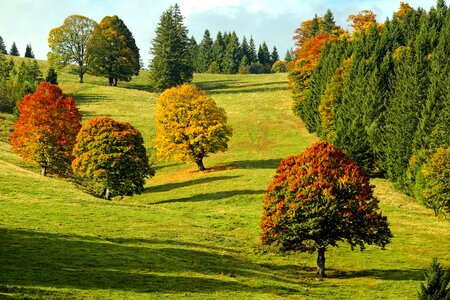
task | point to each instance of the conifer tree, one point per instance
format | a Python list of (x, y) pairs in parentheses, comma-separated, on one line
[(245, 50), (436, 284), (288, 56), (218, 50), (2, 46), (29, 52), (14, 51), (328, 24), (231, 59), (274, 55), (253, 57), (263, 54), (205, 54), (51, 76), (193, 49), (170, 65)]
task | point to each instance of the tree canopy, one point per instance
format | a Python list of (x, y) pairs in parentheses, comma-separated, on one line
[(112, 51), (46, 129), (319, 198), (110, 158), (189, 125), (68, 43)]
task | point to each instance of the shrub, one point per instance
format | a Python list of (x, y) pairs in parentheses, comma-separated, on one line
[(436, 286), (279, 67)]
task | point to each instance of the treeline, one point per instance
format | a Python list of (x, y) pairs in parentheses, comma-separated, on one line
[(382, 94), (14, 51), (226, 54)]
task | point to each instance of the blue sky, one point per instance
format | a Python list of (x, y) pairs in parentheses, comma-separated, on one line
[(273, 21)]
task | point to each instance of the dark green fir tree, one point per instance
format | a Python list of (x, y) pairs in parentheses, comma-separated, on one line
[(29, 52), (14, 51), (170, 64), (51, 76), (2, 46), (205, 54)]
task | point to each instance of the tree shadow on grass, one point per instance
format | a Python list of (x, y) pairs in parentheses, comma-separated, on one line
[(175, 185), (250, 164), (89, 98), (389, 274), (216, 84), (213, 196), (46, 260)]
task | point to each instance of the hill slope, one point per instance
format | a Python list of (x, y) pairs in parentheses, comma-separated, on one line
[(193, 234)]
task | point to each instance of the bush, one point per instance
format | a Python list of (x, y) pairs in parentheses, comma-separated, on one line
[(213, 68), (279, 67), (256, 68)]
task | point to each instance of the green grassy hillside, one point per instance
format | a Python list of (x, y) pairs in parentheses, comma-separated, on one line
[(191, 234)]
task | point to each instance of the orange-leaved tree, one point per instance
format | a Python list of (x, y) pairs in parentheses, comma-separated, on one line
[(319, 198), (110, 158), (46, 129), (189, 125)]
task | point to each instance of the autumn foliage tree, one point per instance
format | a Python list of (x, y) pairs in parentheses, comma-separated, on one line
[(110, 158), (319, 198), (112, 51), (189, 125), (46, 129)]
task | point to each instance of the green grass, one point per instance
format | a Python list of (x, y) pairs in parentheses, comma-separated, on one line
[(191, 234)]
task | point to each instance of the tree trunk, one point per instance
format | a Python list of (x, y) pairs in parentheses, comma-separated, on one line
[(200, 165), (81, 76), (321, 262), (110, 81), (115, 81), (107, 194), (44, 171)]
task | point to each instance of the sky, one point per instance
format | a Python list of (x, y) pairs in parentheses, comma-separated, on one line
[(272, 21)]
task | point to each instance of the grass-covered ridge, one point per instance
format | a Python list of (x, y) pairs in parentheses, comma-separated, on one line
[(193, 234)]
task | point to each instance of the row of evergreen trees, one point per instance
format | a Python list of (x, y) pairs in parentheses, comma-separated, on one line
[(383, 93), (226, 54), (14, 51)]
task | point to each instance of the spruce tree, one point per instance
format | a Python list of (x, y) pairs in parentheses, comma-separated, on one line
[(218, 51), (2, 46), (51, 76), (328, 24), (193, 49), (245, 50), (170, 65), (263, 54), (14, 51), (231, 59), (274, 55), (436, 286), (205, 54), (29, 52), (253, 57), (288, 56)]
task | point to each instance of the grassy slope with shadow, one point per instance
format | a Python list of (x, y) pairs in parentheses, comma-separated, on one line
[(191, 234)]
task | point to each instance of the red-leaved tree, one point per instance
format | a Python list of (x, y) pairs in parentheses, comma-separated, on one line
[(319, 198), (46, 129)]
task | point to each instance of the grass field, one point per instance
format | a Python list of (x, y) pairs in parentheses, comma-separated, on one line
[(191, 234)]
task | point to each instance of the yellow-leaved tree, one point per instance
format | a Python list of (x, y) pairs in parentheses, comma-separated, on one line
[(189, 125)]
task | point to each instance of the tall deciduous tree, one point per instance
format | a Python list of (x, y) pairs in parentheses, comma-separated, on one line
[(110, 158), (189, 125), (68, 43), (170, 65), (319, 198), (14, 51), (112, 51), (29, 52), (46, 129)]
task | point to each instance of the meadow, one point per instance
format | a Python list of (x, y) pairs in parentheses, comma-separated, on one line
[(193, 234)]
